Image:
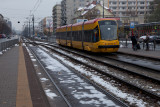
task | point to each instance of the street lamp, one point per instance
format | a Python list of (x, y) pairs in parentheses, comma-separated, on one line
[(103, 8)]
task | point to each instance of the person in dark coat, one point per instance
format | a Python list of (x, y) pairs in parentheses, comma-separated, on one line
[(147, 42), (134, 42)]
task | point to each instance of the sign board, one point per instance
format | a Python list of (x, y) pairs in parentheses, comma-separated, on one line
[(132, 25), (81, 20)]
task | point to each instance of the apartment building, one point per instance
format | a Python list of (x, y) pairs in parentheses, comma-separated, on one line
[(45, 25), (127, 10), (130, 10), (56, 13), (69, 7)]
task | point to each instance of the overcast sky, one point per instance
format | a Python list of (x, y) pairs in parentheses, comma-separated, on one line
[(19, 10)]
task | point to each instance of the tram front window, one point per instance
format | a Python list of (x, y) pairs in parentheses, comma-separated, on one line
[(108, 30)]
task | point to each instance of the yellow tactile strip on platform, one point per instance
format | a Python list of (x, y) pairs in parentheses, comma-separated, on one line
[(23, 98)]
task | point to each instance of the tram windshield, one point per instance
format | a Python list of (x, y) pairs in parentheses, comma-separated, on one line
[(108, 29)]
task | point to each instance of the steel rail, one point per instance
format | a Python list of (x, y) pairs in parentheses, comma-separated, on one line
[(61, 93), (100, 88), (151, 94), (96, 85), (113, 66)]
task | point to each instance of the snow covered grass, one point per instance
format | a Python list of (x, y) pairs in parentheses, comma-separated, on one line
[(50, 94), (1, 53), (112, 89)]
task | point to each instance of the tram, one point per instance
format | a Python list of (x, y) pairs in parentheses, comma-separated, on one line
[(97, 35)]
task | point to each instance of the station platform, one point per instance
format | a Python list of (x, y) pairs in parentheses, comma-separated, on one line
[(141, 52), (19, 85)]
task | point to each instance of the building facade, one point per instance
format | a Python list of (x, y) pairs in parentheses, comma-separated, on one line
[(92, 11), (69, 7), (130, 10), (56, 13), (45, 26), (127, 10)]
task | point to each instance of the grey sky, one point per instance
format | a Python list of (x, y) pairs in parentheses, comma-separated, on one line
[(19, 10)]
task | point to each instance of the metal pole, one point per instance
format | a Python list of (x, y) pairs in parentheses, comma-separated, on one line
[(103, 8), (29, 28), (33, 25)]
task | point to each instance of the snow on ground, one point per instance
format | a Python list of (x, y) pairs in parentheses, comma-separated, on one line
[(54, 65), (1, 53), (33, 59), (39, 73), (16, 45), (50, 94), (91, 96), (30, 45), (23, 44), (44, 79)]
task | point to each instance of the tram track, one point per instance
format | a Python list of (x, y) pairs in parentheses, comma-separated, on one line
[(64, 94), (53, 82), (151, 94), (151, 71)]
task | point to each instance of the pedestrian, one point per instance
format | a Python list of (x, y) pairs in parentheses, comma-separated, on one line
[(134, 42), (147, 42), (126, 39)]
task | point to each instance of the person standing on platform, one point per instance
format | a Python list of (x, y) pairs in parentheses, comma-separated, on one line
[(134, 42), (126, 39), (147, 42)]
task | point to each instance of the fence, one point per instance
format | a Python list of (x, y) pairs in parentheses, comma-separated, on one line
[(128, 43), (7, 44)]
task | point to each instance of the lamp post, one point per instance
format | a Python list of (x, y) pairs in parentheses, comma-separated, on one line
[(33, 24), (103, 8)]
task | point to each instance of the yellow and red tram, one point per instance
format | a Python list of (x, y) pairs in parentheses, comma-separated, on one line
[(97, 35)]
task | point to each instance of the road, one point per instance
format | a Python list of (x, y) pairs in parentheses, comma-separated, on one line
[(5, 39)]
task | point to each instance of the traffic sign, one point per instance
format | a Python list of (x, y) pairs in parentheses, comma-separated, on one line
[(132, 25)]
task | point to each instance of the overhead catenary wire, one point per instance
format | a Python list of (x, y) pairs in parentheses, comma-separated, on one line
[(36, 6)]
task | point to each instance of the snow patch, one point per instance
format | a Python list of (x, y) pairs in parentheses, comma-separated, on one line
[(33, 59), (44, 79), (50, 94)]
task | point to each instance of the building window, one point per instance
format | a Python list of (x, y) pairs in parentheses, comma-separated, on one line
[(114, 2), (98, 12), (129, 2), (123, 3), (114, 12), (141, 7), (114, 7), (141, 12), (129, 7), (123, 8), (141, 2), (123, 13)]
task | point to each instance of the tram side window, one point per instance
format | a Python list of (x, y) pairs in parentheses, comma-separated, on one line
[(68, 35), (76, 35), (73, 35), (80, 35), (88, 36), (57, 35), (95, 35), (63, 35)]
